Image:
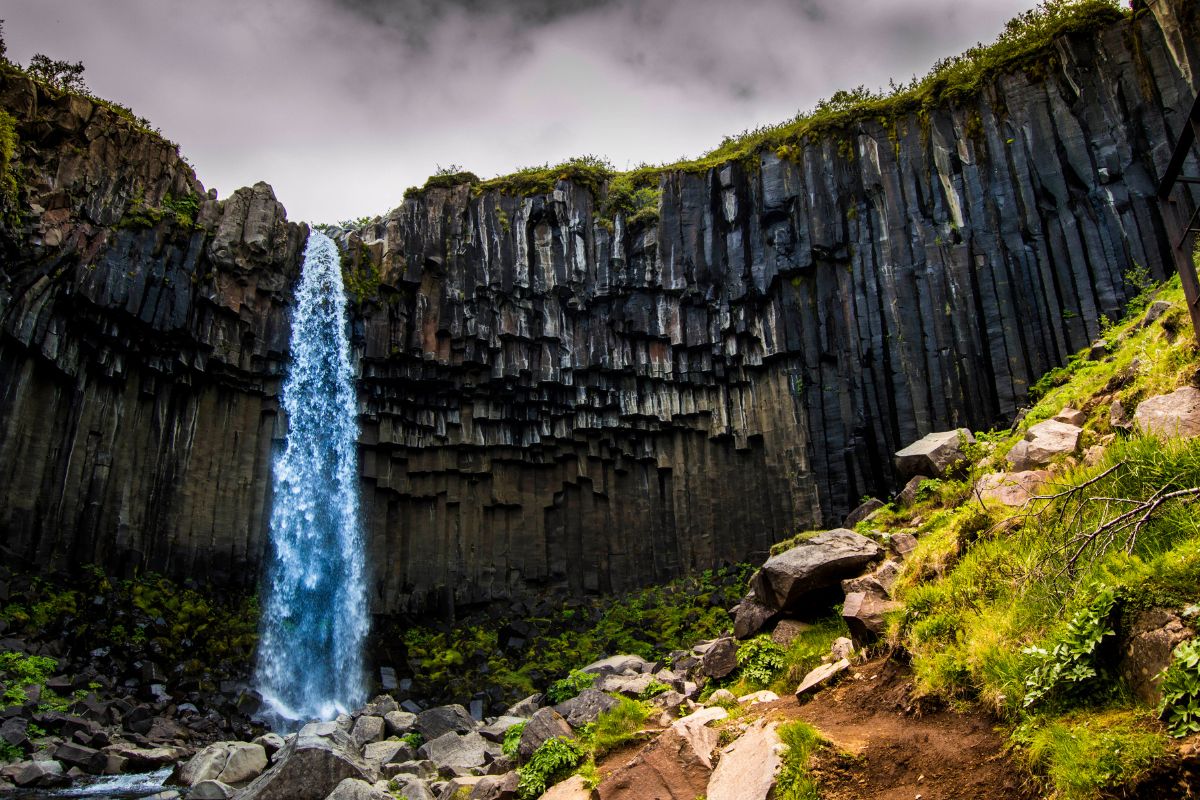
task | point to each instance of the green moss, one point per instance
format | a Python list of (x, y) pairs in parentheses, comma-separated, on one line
[(10, 188), (181, 211), (360, 274)]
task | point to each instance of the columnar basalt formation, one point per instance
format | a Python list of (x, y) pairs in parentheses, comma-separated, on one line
[(554, 400)]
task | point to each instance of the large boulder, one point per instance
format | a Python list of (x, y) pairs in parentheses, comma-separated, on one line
[(545, 724), (399, 723), (227, 762), (1148, 649), (411, 787), (1013, 489), (41, 774), (675, 767), (618, 665), (816, 563), (751, 616), (864, 612), (749, 766), (1170, 415), (934, 454), (585, 707), (367, 729), (466, 751), (1043, 443), (309, 768), (719, 657), (442, 720)]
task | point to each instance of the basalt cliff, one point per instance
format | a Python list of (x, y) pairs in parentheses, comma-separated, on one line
[(550, 400)]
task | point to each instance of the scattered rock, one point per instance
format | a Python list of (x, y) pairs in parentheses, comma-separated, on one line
[(573, 788), (1043, 443), (754, 698), (1170, 415), (1013, 489), (863, 613), (902, 544), (676, 766), (40, 774), (617, 665), (628, 685), (387, 752), (704, 715), (309, 768), (821, 677), (933, 454), (1156, 310), (271, 743), (842, 648), (357, 789), (525, 708), (1098, 350), (721, 697), (494, 731), (411, 787), (211, 790), (750, 616), (367, 729), (1071, 416), (399, 722), (748, 767), (544, 725), (908, 495), (586, 706), (467, 750), (496, 787)]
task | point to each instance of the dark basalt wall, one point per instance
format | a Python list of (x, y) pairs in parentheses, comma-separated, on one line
[(551, 404)]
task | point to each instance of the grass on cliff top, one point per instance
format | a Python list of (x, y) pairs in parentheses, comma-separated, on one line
[(1024, 44), (1020, 609)]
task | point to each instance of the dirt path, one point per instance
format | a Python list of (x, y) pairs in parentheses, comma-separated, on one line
[(891, 752)]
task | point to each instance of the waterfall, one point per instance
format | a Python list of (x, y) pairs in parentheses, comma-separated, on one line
[(314, 617)]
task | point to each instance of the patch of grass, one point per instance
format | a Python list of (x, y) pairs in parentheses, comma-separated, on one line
[(796, 781), (615, 727), (360, 274), (1089, 756)]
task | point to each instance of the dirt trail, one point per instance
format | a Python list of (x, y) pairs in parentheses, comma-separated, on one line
[(891, 752)]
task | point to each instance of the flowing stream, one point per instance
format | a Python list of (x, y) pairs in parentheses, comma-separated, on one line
[(314, 617)]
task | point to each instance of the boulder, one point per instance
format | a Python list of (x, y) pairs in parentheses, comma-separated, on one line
[(88, 759), (1170, 415), (387, 752), (864, 510), (1156, 310), (525, 708), (863, 613), (842, 648), (211, 790), (821, 677), (902, 544), (14, 731), (617, 665), (1013, 489), (628, 685), (573, 788), (1071, 416), (720, 658), (749, 766), (1043, 443), (227, 762), (411, 787), (467, 750), (494, 731), (786, 631), (442, 720), (880, 581), (676, 766), (246, 761), (1148, 649), (818, 562), (751, 616), (704, 715), (367, 729), (380, 706), (271, 743), (908, 495), (496, 787), (544, 725), (309, 768), (722, 697), (356, 789), (586, 706), (399, 722), (40, 774), (934, 454), (423, 769)]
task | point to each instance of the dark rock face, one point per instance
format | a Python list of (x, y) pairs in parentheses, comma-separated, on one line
[(548, 404)]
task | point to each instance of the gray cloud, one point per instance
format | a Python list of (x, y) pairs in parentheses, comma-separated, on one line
[(341, 104)]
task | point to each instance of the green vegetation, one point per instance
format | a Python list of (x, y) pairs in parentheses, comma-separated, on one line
[(1180, 706), (415, 740), (1019, 609), (181, 211), (615, 727), (451, 664), (763, 664), (20, 672), (10, 187), (760, 660), (550, 763), (795, 780), (566, 688), (512, 739), (360, 274), (634, 195)]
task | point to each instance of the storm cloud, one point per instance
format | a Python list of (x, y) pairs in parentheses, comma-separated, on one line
[(341, 104)]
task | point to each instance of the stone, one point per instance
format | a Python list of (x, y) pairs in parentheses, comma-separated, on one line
[(412, 788), (820, 677), (585, 707), (902, 544), (754, 698), (387, 679), (380, 706), (722, 697), (751, 616), (357, 789), (465, 750), (146, 759), (419, 768), (573, 788), (399, 722), (42, 774), (14, 731), (545, 724), (309, 768), (1156, 310), (367, 729), (386, 752), (88, 759), (228, 762), (1148, 648), (442, 720), (211, 790), (271, 743), (863, 613), (1098, 350), (245, 762), (1043, 443), (908, 495), (842, 648), (749, 766), (934, 454), (1071, 416), (818, 562), (496, 787), (786, 631), (525, 708), (494, 731), (617, 665), (1170, 415), (676, 766), (704, 715), (720, 658), (628, 685), (861, 512), (1012, 489)]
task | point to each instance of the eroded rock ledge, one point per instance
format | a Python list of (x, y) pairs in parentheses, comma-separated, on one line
[(548, 403)]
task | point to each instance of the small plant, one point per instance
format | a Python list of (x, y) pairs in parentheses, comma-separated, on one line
[(66, 75), (1180, 705), (549, 763), (1070, 664), (10, 752), (512, 739), (654, 688), (795, 780), (566, 688), (20, 671), (759, 659), (413, 740)]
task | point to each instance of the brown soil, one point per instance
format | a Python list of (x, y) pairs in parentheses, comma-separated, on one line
[(887, 748)]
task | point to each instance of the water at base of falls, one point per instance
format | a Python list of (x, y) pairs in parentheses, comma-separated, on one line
[(314, 617)]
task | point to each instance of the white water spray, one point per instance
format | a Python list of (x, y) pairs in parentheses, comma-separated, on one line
[(314, 622)]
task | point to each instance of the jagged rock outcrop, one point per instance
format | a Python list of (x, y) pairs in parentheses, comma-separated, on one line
[(549, 403)]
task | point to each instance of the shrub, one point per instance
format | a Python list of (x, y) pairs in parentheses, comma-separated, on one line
[(20, 672), (1071, 663), (512, 739), (759, 659), (550, 763), (654, 688), (570, 686), (615, 726), (1180, 705)]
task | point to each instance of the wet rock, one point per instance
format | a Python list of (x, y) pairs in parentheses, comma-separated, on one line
[(545, 724), (442, 720), (586, 707), (748, 767), (41, 774), (820, 677), (1013, 489), (1170, 415), (934, 454), (88, 759), (1043, 443), (863, 613)]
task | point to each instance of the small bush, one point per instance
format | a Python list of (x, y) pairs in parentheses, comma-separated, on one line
[(549, 764), (1071, 664), (1180, 706), (654, 689), (759, 660), (20, 671), (564, 689), (415, 740), (512, 739)]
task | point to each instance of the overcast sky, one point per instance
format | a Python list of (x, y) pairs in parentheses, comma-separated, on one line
[(341, 104)]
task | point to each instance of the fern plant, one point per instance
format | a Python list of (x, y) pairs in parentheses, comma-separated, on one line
[(1070, 664), (759, 659), (548, 764), (1180, 687)]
